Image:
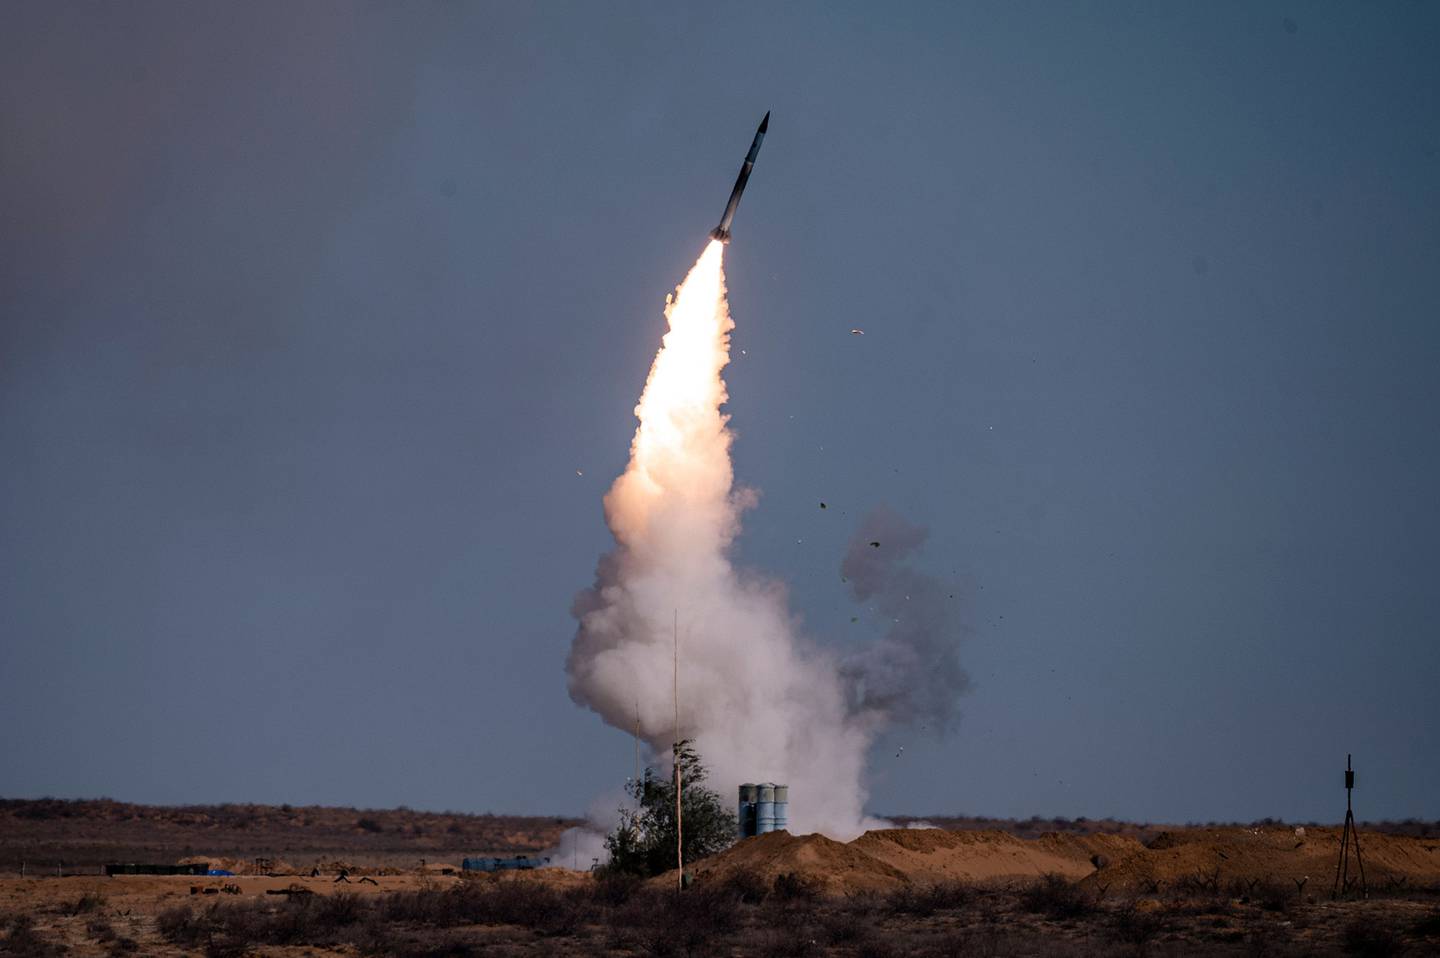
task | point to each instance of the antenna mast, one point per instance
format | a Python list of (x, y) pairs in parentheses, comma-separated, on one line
[(1349, 837), (675, 690)]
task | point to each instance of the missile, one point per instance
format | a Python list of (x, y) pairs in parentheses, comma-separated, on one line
[(722, 232)]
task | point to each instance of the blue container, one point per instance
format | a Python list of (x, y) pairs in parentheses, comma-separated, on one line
[(765, 809), (518, 863), (782, 808), (745, 815)]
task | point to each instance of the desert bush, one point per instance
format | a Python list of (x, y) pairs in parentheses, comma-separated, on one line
[(794, 888), (181, 926), (100, 929), (21, 940), (877, 947), (844, 927), (782, 942), (88, 902), (1055, 897), (693, 922), (746, 887), (1273, 896), (1369, 937), (923, 900), (121, 946), (1135, 927), (338, 911), (369, 825), (524, 903), (711, 913), (1427, 927), (612, 889)]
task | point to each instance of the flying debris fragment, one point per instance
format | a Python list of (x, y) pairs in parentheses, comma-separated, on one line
[(722, 232), (857, 332), (874, 544)]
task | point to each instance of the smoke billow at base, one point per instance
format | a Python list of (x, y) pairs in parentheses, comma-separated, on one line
[(760, 701)]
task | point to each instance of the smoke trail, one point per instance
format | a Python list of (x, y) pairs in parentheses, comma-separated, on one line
[(761, 703), (913, 674)]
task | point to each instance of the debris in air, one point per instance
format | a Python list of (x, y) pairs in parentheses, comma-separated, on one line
[(857, 332), (822, 505), (874, 545)]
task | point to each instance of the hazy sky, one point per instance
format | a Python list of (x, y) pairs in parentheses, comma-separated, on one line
[(310, 313)]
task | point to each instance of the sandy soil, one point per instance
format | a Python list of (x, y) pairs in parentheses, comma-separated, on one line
[(1214, 858), (1211, 866)]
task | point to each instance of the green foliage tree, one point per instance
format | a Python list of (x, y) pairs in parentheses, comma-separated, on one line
[(643, 843)]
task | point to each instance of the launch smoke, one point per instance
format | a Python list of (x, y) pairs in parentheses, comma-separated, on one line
[(912, 675), (761, 702)]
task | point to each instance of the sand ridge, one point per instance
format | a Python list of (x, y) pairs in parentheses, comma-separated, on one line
[(886, 859)]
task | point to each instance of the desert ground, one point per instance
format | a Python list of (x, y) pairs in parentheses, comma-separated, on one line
[(1226, 890)]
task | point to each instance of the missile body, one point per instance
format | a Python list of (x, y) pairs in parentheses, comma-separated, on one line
[(722, 232)]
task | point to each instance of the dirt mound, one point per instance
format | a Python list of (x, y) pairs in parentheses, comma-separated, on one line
[(932, 855), (1217, 858), (834, 867), (1088, 848)]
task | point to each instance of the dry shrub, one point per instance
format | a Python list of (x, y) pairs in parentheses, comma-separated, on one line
[(746, 887), (1055, 897), (923, 900), (795, 888), (100, 929), (1273, 896), (1137, 928), (877, 947), (1427, 927), (90, 901), (612, 889), (338, 911), (181, 926), (791, 942), (22, 940), (1369, 937), (694, 922), (844, 926)]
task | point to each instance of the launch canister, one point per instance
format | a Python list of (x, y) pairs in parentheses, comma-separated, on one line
[(722, 232)]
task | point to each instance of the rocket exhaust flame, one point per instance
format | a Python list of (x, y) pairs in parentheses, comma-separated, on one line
[(760, 702)]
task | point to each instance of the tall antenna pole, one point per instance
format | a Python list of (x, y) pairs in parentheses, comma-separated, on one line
[(1349, 838), (637, 743), (679, 826)]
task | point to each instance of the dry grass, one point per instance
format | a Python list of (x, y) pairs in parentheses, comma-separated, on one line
[(738, 917)]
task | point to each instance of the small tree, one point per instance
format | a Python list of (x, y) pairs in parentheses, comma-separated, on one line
[(644, 841)]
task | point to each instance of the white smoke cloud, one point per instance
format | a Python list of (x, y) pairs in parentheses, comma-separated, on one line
[(761, 702)]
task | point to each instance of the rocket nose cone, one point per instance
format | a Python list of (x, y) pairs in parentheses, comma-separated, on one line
[(765, 123)]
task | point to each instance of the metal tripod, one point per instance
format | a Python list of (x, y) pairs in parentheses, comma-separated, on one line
[(1349, 838)]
